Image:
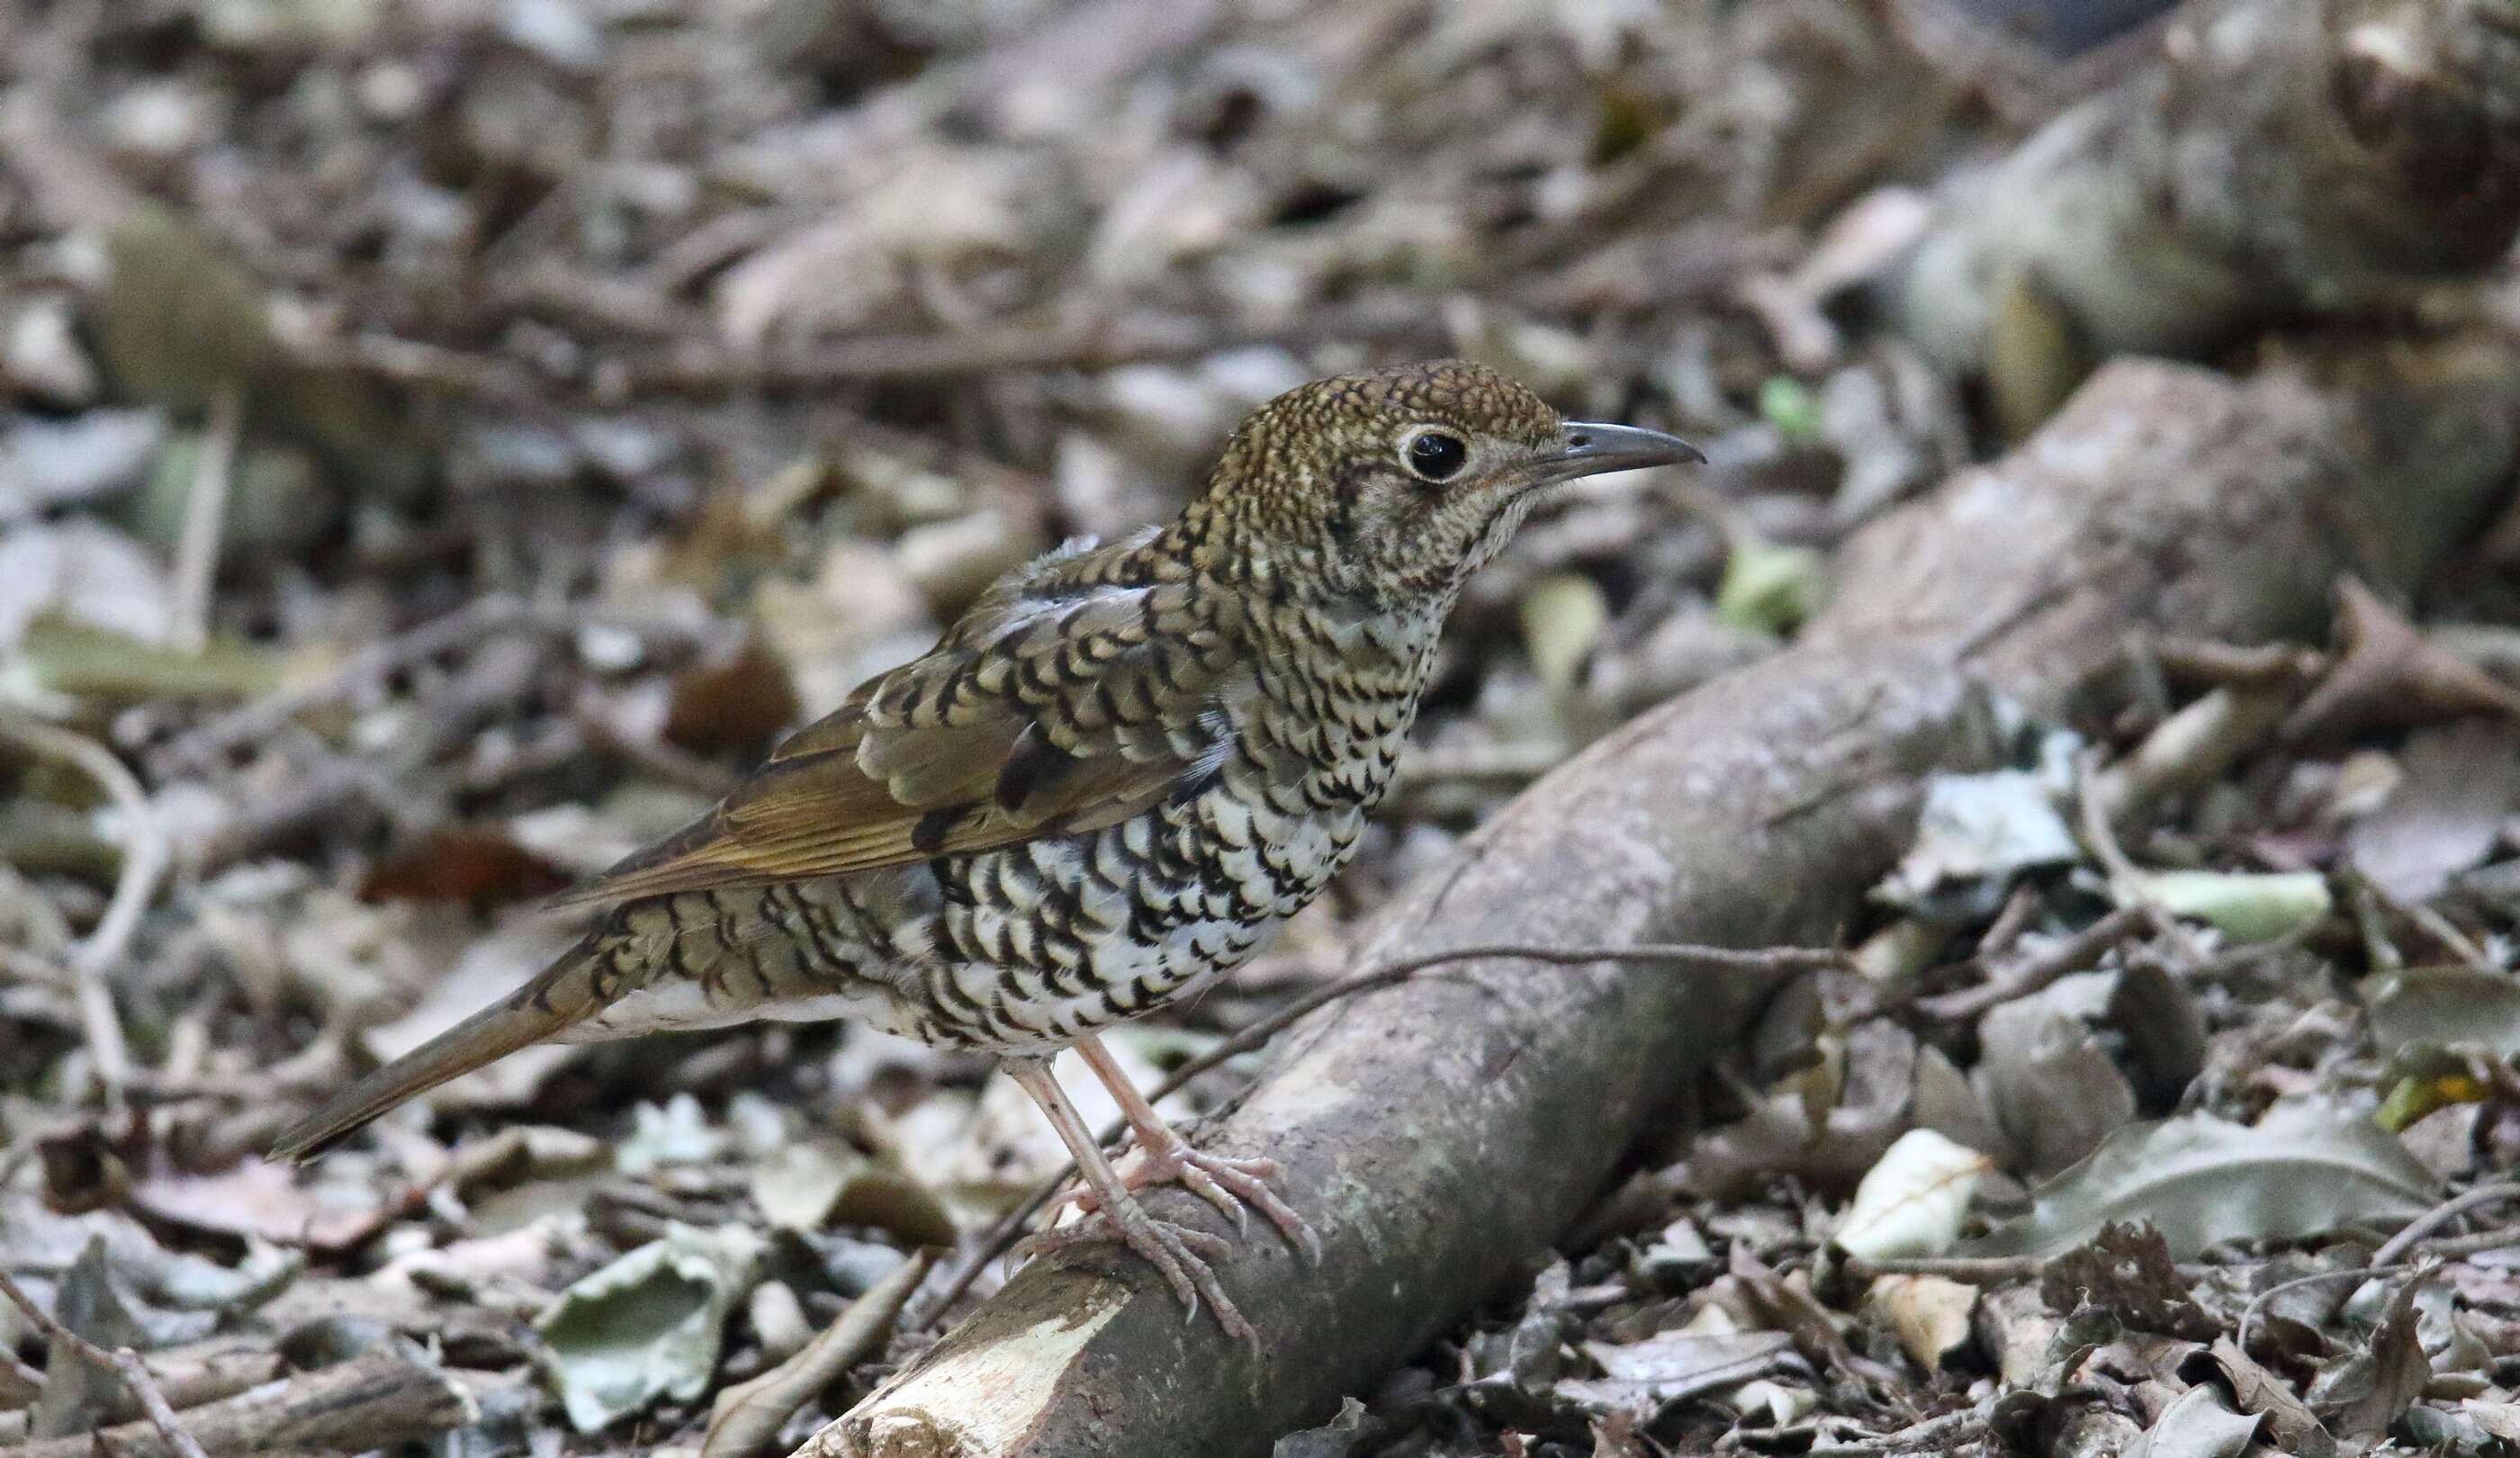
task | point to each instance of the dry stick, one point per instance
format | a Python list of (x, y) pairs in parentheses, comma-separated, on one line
[(744, 1418), (1984, 1270), (658, 755), (2099, 836), (196, 551), (372, 1402), (265, 715), (2207, 660), (2385, 1260), (1947, 1431), (187, 1384), (2426, 920), (122, 1362), (2258, 1304), (1010, 1227), (2125, 877), (144, 862), (2037, 970), (491, 614), (2004, 932), (2442, 1214), (1092, 341), (2452, 1247)]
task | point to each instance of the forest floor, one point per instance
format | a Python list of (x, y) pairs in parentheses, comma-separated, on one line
[(443, 444)]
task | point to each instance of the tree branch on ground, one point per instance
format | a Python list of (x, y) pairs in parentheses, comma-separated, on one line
[(1440, 1132)]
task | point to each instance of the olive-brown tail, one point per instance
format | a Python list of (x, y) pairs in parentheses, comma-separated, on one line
[(534, 1013)]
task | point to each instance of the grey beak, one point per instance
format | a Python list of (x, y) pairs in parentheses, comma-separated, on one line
[(1592, 449)]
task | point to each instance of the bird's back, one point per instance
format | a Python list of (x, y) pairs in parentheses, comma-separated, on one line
[(1034, 942)]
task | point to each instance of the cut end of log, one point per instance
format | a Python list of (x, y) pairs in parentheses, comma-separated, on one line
[(984, 1404)]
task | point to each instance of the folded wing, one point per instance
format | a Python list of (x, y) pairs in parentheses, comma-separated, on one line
[(1037, 715)]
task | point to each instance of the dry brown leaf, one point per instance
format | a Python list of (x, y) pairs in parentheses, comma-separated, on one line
[(1930, 1315), (738, 702), (744, 1418), (2364, 1394), (2389, 675), (2289, 1419), (2461, 784), (2126, 1271), (259, 1198)]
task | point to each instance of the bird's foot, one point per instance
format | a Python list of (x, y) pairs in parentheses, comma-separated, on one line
[(1179, 1253), (1234, 1185)]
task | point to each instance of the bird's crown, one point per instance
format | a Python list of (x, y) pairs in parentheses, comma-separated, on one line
[(1387, 489)]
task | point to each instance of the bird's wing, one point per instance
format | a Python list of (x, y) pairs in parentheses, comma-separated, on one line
[(1035, 716)]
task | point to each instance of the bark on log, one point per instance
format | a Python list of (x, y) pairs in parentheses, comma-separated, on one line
[(1441, 1132), (2279, 156)]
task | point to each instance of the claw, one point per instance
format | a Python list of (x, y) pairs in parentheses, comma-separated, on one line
[(1178, 1252), (1235, 1186)]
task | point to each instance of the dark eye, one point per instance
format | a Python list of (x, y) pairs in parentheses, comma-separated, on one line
[(1435, 455)]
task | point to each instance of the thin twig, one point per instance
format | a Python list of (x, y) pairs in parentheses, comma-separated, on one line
[(265, 715), (2249, 1317), (2125, 877), (2425, 920), (2452, 1247), (493, 613), (1424, 769), (2442, 1214), (122, 1362), (744, 1418), (658, 756), (2037, 970), (2206, 661), (2386, 1261), (996, 1240), (1092, 339), (1946, 1432), (2099, 836), (144, 862), (196, 551), (2010, 923), (1984, 1270)]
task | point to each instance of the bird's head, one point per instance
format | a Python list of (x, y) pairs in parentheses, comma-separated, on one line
[(1390, 488)]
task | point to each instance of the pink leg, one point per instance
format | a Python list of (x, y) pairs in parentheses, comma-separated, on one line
[(1181, 1254), (1165, 1156)]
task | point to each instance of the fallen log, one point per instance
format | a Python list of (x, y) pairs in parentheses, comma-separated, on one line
[(2277, 157), (1441, 1132)]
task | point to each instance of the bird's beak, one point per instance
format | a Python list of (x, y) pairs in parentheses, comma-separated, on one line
[(1587, 448)]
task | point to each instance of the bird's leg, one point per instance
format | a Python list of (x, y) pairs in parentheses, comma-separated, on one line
[(1179, 1253), (1234, 1185)]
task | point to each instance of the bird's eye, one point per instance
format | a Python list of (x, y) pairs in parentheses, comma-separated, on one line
[(1436, 456)]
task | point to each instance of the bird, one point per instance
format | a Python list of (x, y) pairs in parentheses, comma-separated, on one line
[(1115, 776)]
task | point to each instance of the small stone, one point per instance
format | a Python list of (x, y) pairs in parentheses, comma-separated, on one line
[(84, 570), (553, 31), (283, 24), (778, 1321), (42, 357), (391, 91), (158, 119), (495, 457), (45, 463)]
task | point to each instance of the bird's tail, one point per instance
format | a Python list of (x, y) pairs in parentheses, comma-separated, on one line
[(563, 994)]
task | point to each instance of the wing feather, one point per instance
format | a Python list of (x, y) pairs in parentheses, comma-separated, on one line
[(1033, 718)]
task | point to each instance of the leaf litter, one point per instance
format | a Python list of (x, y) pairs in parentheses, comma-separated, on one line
[(593, 433)]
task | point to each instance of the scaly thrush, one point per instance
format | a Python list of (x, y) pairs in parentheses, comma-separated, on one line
[(1117, 775)]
